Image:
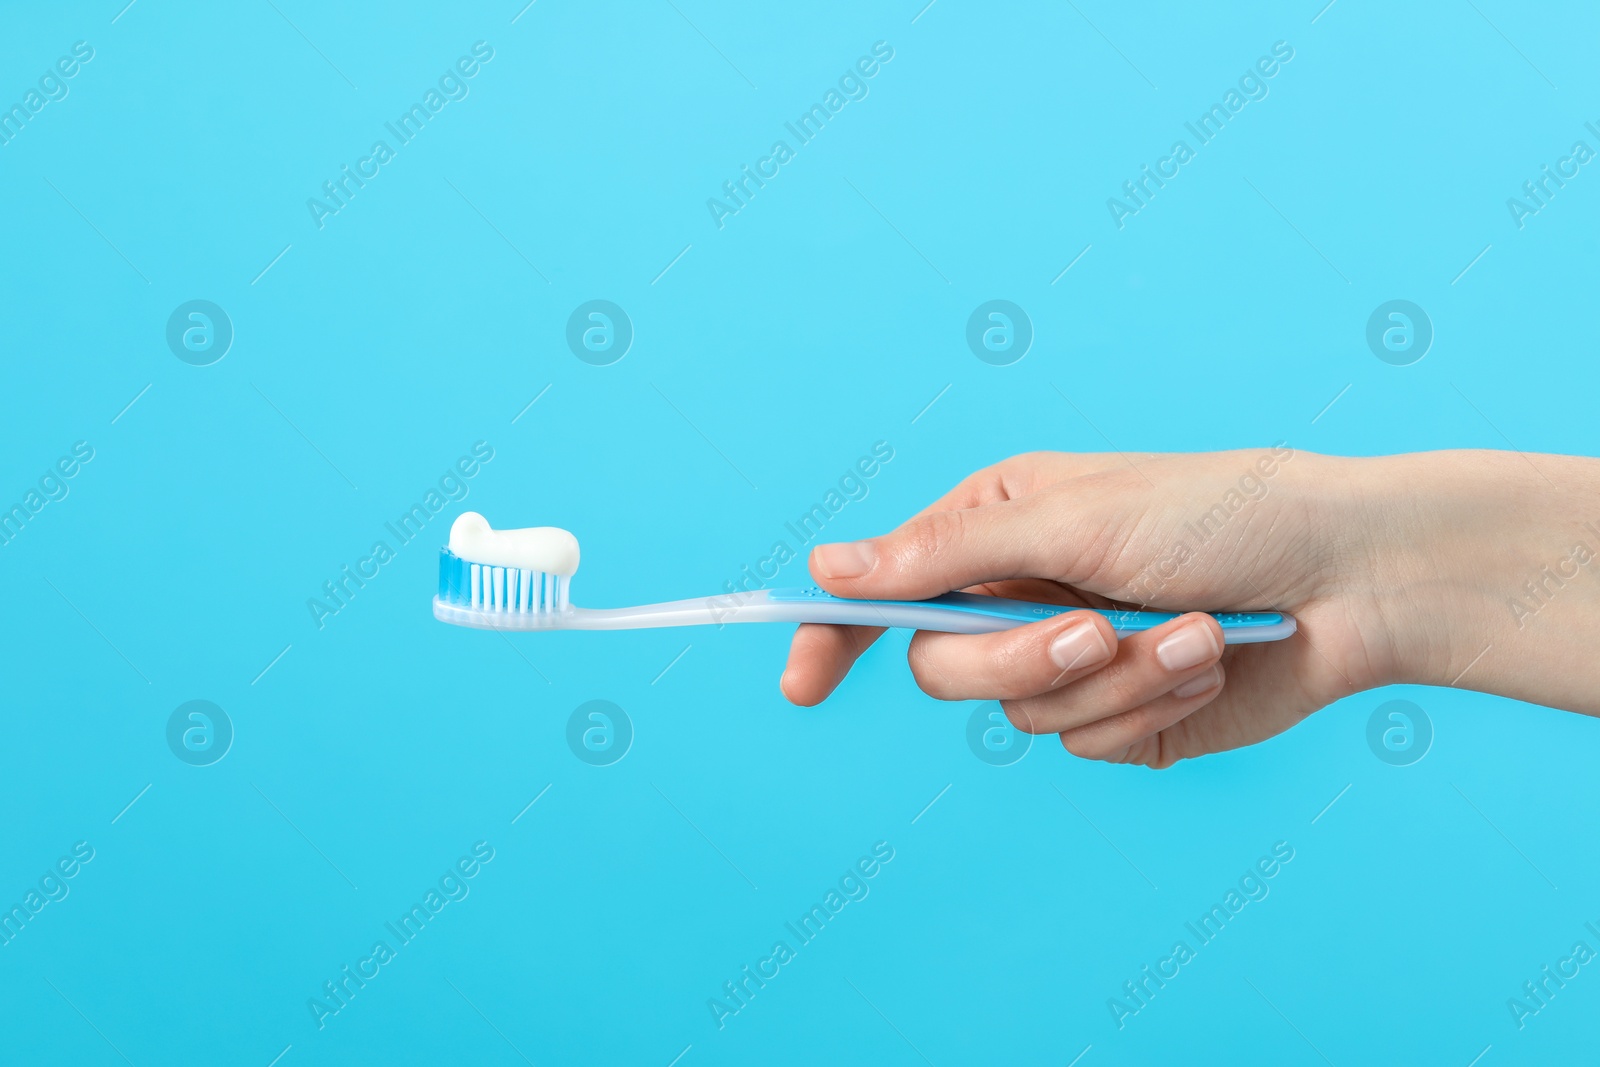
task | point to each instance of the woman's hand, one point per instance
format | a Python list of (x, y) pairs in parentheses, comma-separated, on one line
[(1385, 563)]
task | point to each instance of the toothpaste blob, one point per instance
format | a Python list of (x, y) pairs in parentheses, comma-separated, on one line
[(536, 548)]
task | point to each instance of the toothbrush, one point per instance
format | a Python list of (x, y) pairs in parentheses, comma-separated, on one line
[(519, 580)]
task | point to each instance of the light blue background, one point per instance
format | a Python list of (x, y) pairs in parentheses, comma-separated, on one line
[(772, 354)]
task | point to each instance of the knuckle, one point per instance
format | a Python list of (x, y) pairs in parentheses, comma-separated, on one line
[(1159, 754), (1119, 693), (933, 535), (1009, 472), (927, 674), (1080, 746), (1019, 667), (977, 487), (1070, 709), (1021, 714), (1145, 753)]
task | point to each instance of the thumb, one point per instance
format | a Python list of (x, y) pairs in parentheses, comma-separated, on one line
[(939, 551)]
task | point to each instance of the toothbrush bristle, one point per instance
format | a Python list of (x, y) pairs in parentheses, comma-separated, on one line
[(511, 590)]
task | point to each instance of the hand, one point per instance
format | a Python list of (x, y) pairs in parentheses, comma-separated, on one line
[(1396, 570)]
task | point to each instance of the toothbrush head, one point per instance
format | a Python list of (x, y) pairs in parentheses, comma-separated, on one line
[(515, 572)]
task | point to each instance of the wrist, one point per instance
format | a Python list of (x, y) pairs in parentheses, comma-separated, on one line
[(1474, 568)]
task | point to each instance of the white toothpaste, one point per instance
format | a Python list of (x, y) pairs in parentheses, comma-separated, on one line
[(536, 548)]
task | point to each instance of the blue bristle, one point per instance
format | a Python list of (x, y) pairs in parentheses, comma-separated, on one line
[(454, 578), (546, 593)]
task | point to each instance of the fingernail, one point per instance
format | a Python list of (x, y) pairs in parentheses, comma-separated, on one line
[(1079, 645), (1189, 647), (1195, 686), (848, 559)]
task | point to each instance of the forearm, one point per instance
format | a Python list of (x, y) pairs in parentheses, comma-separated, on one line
[(1481, 569)]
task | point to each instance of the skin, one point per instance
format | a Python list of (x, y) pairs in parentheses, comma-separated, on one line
[(1399, 569)]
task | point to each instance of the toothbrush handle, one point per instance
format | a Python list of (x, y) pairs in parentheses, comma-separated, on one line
[(970, 613), (958, 613)]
